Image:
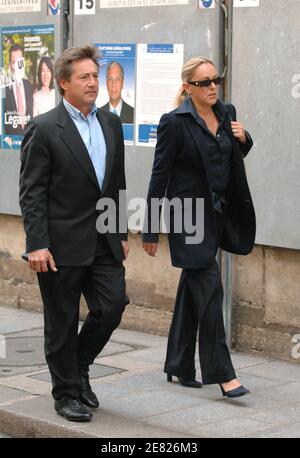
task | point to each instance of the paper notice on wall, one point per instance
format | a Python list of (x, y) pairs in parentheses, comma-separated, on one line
[(20, 6), (136, 3), (245, 3), (158, 81)]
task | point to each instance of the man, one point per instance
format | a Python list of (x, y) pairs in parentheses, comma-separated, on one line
[(114, 84), (18, 104), (71, 156)]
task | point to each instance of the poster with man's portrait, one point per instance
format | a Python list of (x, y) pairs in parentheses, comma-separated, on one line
[(117, 83), (27, 56)]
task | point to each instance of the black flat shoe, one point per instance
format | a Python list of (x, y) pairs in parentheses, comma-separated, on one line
[(72, 409), (236, 392), (186, 383), (86, 395)]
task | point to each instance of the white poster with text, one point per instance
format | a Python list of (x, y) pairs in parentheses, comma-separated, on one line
[(158, 81)]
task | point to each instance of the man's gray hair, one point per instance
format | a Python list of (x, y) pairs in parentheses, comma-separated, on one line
[(63, 67), (115, 64)]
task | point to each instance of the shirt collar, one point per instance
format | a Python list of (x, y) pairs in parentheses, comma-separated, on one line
[(118, 108), (188, 107), (77, 114)]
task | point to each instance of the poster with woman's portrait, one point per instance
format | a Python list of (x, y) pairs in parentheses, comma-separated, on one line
[(27, 56)]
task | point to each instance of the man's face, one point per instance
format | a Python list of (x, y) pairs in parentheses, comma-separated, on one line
[(114, 82), (82, 89), (17, 64)]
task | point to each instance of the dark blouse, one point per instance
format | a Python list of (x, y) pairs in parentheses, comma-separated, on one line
[(219, 150)]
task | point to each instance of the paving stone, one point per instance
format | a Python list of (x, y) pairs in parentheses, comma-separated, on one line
[(14, 320), (291, 431), (286, 392), (288, 414), (10, 395), (277, 370), (8, 371), (231, 427), (96, 370), (149, 403), (244, 360)]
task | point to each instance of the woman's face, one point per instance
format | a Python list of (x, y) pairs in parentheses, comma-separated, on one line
[(45, 75), (203, 95)]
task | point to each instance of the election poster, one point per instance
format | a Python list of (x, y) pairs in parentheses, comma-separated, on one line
[(158, 81), (19, 6), (117, 83), (27, 59)]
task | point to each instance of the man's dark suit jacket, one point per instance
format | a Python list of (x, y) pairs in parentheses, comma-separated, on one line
[(181, 169), (59, 188), (10, 105), (126, 114)]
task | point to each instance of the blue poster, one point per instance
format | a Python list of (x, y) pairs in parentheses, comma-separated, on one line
[(27, 61), (117, 83)]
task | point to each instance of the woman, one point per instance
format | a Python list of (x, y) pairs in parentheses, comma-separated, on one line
[(44, 98), (199, 154)]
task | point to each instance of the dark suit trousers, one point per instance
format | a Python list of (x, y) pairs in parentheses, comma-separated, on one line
[(198, 306), (103, 285)]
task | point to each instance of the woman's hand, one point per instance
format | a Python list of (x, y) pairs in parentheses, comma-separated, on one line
[(150, 248), (238, 131)]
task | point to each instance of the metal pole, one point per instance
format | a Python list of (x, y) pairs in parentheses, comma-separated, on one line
[(65, 17), (225, 259)]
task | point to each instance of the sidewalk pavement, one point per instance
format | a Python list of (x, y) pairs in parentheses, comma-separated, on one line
[(135, 398)]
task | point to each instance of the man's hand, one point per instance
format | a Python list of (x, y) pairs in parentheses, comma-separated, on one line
[(238, 131), (39, 261), (125, 248), (150, 248)]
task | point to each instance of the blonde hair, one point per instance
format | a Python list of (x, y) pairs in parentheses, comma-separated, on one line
[(187, 73)]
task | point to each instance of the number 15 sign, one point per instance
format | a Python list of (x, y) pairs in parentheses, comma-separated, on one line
[(85, 6)]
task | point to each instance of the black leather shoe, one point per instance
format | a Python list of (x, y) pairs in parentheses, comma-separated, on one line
[(187, 383), (236, 392), (72, 409), (86, 395)]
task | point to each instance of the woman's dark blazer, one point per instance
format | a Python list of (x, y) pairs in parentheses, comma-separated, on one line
[(181, 169)]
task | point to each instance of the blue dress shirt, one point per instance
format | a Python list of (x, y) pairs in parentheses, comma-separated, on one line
[(91, 133)]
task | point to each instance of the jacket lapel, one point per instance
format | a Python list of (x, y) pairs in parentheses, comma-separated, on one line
[(196, 133), (110, 146), (72, 139), (187, 110)]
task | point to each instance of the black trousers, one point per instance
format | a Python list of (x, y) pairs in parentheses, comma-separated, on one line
[(103, 285), (198, 306)]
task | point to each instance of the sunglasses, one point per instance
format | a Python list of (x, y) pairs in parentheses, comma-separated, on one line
[(206, 83)]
